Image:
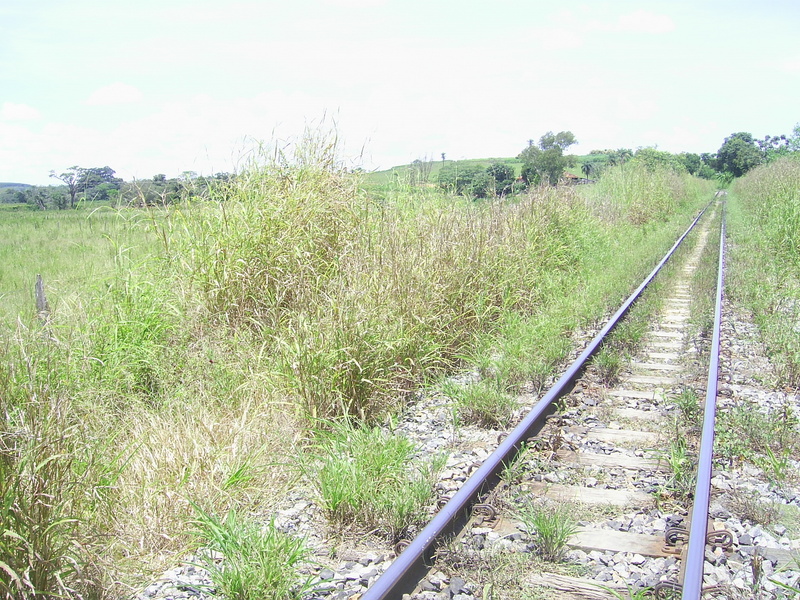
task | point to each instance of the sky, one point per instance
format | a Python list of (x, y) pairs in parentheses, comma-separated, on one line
[(168, 86)]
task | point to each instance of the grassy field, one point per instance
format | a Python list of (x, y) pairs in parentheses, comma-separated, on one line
[(192, 356), (765, 247)]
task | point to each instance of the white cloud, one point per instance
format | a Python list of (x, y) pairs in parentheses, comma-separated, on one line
[(642, 21), (116, 93), (558, 38), (639, 21), (18, 112), (791, 65)]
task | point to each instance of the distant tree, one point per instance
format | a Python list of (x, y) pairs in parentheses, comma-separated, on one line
[(96, 176), (459, 179), (503, 177), (586, 169), (482, 185), (691, 162), (71, 178), (654, 159), (561, 140), (442, 156), (546, 161), (38, 197), (619, 157), (738, 154), (14, 195), (94, 183), (158, 191)]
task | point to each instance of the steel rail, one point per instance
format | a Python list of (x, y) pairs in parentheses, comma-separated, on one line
[(408, 568), (698, 530)]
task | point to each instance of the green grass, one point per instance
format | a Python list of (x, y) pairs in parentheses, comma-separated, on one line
[(242, 323), (744, 432), (74, 251), (482, 403), (550, 527), (682, 464), (608, 364), (366, 478), (764, 252), (689, 407), (258, 561)]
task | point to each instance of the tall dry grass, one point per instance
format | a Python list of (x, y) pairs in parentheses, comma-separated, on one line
[(357, 299), (640, 194)]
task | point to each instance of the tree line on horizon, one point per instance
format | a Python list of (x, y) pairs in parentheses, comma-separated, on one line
[(542, 162), (547, 161), (100, 184)]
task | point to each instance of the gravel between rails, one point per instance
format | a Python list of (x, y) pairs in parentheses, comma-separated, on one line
[(346, 565)]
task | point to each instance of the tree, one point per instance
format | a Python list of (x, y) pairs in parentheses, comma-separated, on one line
[(691, 162), (654, 159), (546, 161), (71, 178), (95, 176), (503, 176), (586, 169), (94, 183), (738, 154), (619, 157), (458, 179)]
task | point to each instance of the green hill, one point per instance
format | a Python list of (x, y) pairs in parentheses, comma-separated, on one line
[(402, 171)]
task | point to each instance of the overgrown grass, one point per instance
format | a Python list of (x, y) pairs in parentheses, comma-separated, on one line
[(187, 347), (765, 254), (638, 194), (744, 432), (51, 479), (482, 403)]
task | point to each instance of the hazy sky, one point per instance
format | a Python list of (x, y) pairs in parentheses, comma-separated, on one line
[(167, 86)]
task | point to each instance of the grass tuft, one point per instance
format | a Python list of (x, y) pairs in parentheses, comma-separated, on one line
[(551, 527), (257, 560), (365, 478), (482, 403)]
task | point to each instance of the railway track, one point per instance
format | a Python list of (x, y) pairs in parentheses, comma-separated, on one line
[(619, 462), (620, 451)]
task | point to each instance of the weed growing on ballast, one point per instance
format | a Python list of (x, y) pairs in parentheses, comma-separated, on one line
[(248, 560), (364, 477), (550, 527), (482, 403)]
